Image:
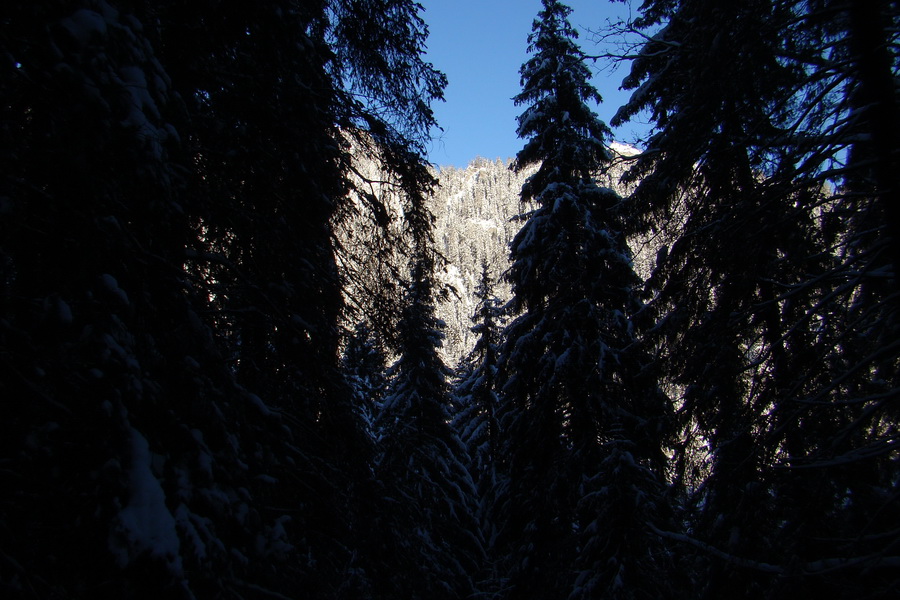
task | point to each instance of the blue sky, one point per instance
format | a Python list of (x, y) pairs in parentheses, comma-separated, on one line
[(480, 45)]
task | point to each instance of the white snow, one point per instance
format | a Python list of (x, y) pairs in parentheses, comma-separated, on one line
[(84, 24), (623, 149), (142, 108), (145, 525), (62, 310), (259, 404), (193, 535), (112, 285), (487, 224)]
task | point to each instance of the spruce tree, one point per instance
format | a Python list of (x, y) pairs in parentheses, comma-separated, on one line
[(767, 299), (702, 176), (477, 417), (137, 456), (477, 421), (583, 421), (269, 175), (169, 305), (365, 364), (427, 525)]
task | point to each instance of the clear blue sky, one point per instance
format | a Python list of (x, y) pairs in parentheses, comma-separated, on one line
[(480, 45)]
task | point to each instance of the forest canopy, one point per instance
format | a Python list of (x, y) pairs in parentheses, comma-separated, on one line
[(222, 371)]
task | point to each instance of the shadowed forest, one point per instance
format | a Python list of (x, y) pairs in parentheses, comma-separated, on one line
[(221, 365)]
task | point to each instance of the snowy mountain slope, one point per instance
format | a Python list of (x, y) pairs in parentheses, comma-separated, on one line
[(475, 210)]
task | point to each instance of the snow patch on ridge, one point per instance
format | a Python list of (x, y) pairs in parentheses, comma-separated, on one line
[(623, 149)]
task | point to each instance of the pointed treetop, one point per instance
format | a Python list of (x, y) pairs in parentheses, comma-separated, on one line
[(563, 132)]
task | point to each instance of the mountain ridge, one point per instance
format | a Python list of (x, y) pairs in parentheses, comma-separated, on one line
[(476, 210)]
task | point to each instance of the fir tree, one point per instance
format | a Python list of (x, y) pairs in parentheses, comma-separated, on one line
[(477, 420), (476, 392), (428, 525), (365, 365), (169, 326), (428, 522), (754, 297), (584, 422), (703, 180)]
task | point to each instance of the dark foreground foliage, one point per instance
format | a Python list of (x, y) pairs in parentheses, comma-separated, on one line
[(182, 200)]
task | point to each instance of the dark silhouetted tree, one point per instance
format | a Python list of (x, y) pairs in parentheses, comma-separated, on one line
[(428, 525), (178, 424), (583, 420), (477, 420), (772, 303)]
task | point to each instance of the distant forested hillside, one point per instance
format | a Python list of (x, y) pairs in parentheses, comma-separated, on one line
[(477, 212)]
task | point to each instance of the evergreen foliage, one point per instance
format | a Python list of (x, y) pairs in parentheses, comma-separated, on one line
[(365, 364), (763, 301), (176, 422), (583, 424), (429, 526), (477, 420), (199, 199), (476, 391)]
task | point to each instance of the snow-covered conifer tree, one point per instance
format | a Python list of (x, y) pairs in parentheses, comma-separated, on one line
[(477, 420), (584, 422), (476, 391), (775, 305), (428, 526), (365, 365), (175, 421)]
